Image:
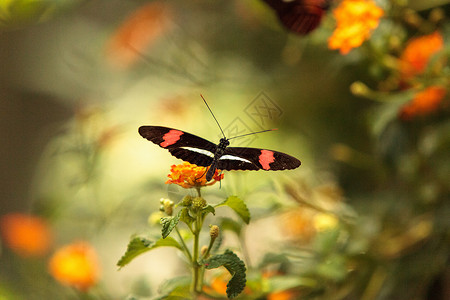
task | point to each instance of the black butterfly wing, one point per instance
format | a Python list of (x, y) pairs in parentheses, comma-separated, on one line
[(300, 16), (240, 158), (182, 145)]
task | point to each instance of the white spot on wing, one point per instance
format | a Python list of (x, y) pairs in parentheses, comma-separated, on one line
[(232, 157), (201, 151)]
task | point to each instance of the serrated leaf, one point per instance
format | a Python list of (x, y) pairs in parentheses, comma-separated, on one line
[(235, 266), (239, 206), (139, 245), (169, 223), (186, 217), (208, 209)]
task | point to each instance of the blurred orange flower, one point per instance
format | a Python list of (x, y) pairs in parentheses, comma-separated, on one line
[(219, 284), (424, 102), (188, 175), (75, 265), (298, 224), (282, 295), (355, 20), (26, 235), (417, 53), (137, 33)]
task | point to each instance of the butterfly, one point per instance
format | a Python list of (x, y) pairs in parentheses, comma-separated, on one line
[(300, 16), (201, 152)]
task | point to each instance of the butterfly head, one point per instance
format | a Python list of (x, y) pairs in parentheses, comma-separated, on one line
[(224, 143)]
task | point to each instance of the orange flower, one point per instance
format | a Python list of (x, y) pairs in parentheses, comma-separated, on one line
[(298, 224), (424, 102), (25, 234), (355, 20), (188, 175), (283, 295), (417, 53), (138, 32), (219, 284), (75, 265)]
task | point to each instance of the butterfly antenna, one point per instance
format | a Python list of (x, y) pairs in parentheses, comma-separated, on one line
[(213, 115), (253, 133)]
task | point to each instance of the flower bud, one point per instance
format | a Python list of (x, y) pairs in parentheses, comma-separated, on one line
[(203, 250), (168, 206), (214, 231), (198, 203), (359, 89), (187, 200)]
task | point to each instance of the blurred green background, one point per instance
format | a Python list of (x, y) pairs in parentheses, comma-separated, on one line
[(73, 93)]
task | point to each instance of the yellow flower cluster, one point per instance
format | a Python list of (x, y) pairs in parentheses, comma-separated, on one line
[(355, 20), (75, 265)]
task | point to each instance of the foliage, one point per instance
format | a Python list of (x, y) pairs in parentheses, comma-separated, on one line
[(361, 88)]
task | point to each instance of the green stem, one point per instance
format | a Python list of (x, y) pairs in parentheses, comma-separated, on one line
[(195, 264), (211, 243), (197, 282), (185, 248)]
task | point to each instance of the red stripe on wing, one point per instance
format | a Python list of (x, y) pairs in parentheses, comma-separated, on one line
[(171, 137), (266, 158)]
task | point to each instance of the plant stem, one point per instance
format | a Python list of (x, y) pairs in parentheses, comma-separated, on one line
[(195, 264), (197, 282), (185, 248)]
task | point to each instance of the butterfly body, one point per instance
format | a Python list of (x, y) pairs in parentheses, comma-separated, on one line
[(201, 152)]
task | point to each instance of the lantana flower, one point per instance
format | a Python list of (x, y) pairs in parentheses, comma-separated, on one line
[(188, 175), (27, 235), (417, 53), (424, 102), (138, 32), (75, 265), (355, 21)]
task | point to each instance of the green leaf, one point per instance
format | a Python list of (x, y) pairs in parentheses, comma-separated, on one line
[(232, 225), (170, 284), (169, 223), (326, 241), (384, 114), (238, 205), (334, 268), (139, 245), (186, 217), (286, 282), (208, 209), (235, 266), (175, 288), (274, 258)]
